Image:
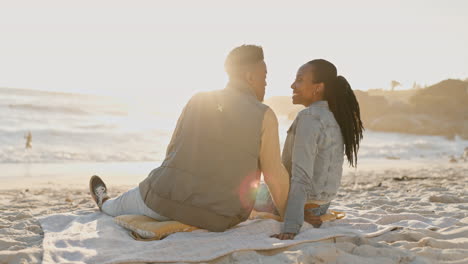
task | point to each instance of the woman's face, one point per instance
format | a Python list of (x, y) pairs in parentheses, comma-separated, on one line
[(305, 91)]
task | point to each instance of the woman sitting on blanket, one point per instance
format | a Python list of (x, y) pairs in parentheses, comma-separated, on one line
[(313, 151)]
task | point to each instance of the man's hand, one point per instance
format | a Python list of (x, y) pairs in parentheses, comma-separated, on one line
[(284, 236)]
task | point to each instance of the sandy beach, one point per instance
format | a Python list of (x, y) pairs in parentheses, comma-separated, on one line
[(118, 88), (435, 192)]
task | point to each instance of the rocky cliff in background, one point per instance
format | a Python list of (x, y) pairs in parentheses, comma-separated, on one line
[(441, 109)]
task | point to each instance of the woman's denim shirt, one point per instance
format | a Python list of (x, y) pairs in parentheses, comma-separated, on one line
[(313, 154)]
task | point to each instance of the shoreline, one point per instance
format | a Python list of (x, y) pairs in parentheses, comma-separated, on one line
[(43, 175)]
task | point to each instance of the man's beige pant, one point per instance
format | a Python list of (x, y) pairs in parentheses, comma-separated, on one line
[(130, 203)]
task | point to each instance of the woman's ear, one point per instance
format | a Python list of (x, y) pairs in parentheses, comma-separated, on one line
[(321, 88)]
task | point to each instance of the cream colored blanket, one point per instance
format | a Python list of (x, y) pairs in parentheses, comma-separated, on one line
[(83, 237)]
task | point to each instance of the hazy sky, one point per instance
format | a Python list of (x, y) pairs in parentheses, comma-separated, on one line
[(167, 50)]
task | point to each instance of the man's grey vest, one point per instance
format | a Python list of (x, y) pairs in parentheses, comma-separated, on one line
[(210, 176)]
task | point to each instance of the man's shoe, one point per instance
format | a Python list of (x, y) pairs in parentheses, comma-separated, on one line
[(98, 190)]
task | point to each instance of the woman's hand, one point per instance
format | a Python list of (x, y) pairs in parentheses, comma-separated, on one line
[(284, 236)]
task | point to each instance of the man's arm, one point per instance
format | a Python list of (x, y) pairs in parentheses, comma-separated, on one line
[(274, 173)]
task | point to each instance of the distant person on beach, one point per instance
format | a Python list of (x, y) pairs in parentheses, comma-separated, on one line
[(222, 142), (313, 152), (28, 138)]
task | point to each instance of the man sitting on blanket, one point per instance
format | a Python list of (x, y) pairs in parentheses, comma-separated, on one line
[(222, 142)]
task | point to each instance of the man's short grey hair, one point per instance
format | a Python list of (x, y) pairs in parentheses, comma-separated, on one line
[(241, 58)]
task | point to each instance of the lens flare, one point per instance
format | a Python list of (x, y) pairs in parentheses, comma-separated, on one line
[(248, 190)]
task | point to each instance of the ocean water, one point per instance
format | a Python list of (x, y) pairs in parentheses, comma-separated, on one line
[(79, 128), (83, 128)]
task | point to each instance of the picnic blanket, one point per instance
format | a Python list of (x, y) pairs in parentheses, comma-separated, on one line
[(93, 237)]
